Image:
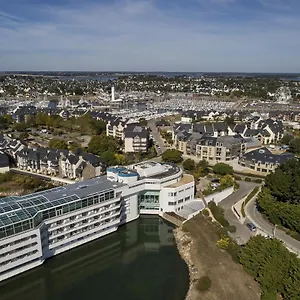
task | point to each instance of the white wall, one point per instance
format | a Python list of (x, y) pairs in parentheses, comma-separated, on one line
[(128, 145), (182, 193), (4, 169), (218, 197)]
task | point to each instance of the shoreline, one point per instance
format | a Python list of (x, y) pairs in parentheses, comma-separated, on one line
[(184, 244), (196, 244)]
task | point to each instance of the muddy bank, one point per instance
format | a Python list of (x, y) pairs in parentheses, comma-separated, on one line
[(196, 243), (184, 244)]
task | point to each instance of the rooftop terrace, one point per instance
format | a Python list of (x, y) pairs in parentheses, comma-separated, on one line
[(184, 180)]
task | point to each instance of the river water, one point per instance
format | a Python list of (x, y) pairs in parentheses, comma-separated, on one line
[(138, 262)]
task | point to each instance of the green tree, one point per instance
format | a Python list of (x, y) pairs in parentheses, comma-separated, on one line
[(20, 127), (222, 169), (229, 121), (294, 145), (189, 164), (58, 144), (143, 122), (226, 181), (172, 155), (287, 138), (273, 266), (203, 167), (101, 143), (23, 135), (106, 147)]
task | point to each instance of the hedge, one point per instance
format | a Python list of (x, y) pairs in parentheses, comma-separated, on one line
[(218, 213), (249, 197)]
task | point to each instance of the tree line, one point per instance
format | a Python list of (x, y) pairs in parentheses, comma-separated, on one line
[(280, 197), (273, 266)]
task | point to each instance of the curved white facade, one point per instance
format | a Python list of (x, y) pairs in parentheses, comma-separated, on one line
[(37, 226)]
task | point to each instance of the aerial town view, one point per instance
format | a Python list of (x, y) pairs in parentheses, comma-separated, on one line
[(150, 171)]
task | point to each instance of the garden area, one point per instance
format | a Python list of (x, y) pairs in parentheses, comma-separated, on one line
[(17, 184)]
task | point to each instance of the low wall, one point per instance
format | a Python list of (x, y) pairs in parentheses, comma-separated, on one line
[(173, 218), (219, 196)]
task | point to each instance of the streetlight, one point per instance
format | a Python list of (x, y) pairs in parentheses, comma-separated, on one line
[(274, 231)]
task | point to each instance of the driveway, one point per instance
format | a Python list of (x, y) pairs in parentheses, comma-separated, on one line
[(157, 138), (242, 234)]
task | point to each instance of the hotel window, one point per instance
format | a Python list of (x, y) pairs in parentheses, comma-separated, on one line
[(172, 203), (90, 201)]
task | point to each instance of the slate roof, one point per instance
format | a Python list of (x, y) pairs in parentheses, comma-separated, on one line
[(133, 130), (4, 161), (264, 155)]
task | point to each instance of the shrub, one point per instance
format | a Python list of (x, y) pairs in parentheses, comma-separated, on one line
[(203, 284), (205, 212), (251, 195), (243, 209), (222, 169), (248, 179), (236, 177), (223, 243), (258, 180), (218, 213), (236, 185), (294, 234)]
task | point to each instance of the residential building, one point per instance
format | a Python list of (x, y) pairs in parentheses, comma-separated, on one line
[(136, 138), (208, 141), (21, 113), (115, 128), (41, 225), (263, 160), (224, 148)]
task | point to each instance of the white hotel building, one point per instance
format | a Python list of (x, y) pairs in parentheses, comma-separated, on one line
[(40, 225)]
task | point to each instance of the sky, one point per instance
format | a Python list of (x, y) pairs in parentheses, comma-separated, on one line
[(150, 35)]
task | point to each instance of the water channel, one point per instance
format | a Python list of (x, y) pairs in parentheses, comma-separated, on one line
[(138, 262)]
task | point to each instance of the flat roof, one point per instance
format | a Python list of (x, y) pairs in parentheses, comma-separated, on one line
[(172, 170), (184, 180), (14, 209)]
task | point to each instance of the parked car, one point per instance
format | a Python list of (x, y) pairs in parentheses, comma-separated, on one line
[(251, 226)]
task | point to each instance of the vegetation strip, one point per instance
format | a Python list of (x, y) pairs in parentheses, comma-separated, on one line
[(248, 198)]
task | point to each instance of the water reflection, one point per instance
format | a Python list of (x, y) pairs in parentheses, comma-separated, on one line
[(138, 262)]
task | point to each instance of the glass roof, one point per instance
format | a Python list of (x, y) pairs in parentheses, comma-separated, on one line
[(16, 209)]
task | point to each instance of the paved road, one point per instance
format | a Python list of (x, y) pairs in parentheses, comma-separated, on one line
[(242, 234), (159, 142), (256, 217)]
